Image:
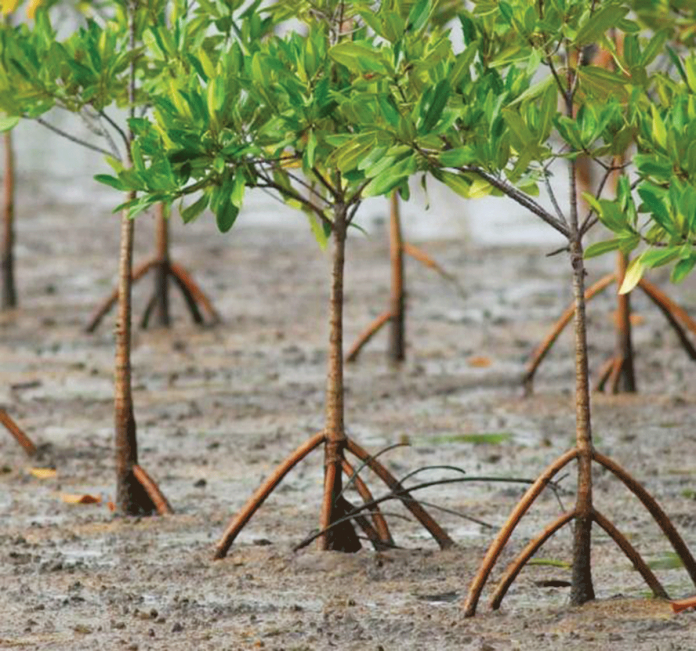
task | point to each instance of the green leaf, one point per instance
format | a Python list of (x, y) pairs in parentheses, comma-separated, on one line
[(599, 22), (111, 181), (226, 215), (657, 257), (682, 269), (190, 213), (600, 248), (437, 106), (457, 157), (419, 14), (7, 123)]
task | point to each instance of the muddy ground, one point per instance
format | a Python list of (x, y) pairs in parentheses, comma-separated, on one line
[(218, 408)]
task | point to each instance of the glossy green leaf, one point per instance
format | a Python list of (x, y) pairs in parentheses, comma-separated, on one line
[(600, 248)]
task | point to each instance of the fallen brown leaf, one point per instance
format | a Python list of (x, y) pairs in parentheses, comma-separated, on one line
[(71, 498), (42, 473), (479, 361)]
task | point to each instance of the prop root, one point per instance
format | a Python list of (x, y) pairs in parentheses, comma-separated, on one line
[(377, 530), (17, 433), (532, 547)]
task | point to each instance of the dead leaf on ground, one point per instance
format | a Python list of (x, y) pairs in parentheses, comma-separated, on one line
[(479, 361), (72, 498), (42, 473)]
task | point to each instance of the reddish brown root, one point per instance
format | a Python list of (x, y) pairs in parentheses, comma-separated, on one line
[(192, 293), (152, 489), (364, 523), (14, 429), (525, 555), (679, 605), (262, 493), (673, 313), (195, 291), (421, 256), (366, 335), (379, 521), (650, 503), (103, 309), (436, 531), (632, 555), (605, 371), (540, 353), (505, 532)]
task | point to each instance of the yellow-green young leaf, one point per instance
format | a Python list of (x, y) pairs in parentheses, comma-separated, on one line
[(457, 157), (633, 275), (7, 123), (600, 248), (319, 230), (480, 188), (659, 131), (460, 184)]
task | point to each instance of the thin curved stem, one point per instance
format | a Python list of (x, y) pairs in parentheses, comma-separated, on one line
[(380, 522), (437, 532)]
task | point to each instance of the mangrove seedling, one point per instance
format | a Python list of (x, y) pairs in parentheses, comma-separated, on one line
[(495, 132), (301, 116), (96, 67)]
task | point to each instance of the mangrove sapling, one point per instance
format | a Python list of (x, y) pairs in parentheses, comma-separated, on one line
[(299, 116), (395, 316), (39, 72), (495, 130), (617, 374)]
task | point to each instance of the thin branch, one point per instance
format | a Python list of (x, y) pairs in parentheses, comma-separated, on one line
[(115, 125), (552, 196), (72, 138), (520, 197)]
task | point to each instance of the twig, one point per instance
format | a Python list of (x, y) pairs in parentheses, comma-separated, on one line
[(72, 138)]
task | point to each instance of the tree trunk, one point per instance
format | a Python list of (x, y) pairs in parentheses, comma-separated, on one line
[(161, 296), (9, 291), (131, 498), (341, 537), (624, 344), (582, 589), (397, 336)]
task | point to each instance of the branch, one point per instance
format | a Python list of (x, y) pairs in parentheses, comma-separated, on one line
[(72, 138), (518, 196)]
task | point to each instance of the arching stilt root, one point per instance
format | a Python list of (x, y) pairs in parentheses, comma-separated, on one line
[(18, 434), (610, 374), (375, 527), (533, 546), (197, 301)]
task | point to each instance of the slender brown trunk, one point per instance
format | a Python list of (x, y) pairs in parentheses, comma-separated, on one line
[(397, 335), (626, 381), (582, 589), (341, 537), (131, 497), (9, 291), (162, 317)]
